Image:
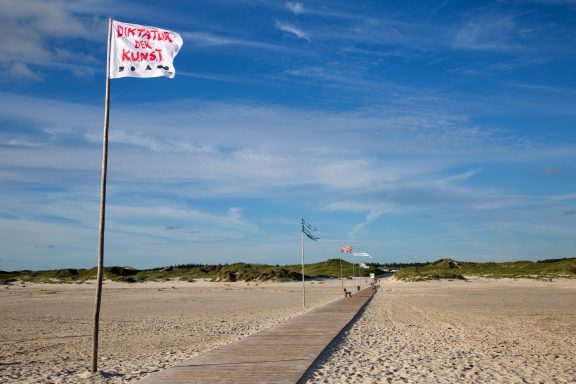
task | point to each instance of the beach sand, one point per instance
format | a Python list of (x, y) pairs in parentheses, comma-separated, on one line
[(46, 329), (483, 331), (478, 331)]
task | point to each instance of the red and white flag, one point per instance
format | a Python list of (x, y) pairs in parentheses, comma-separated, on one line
[(141, 51), (345, 248)]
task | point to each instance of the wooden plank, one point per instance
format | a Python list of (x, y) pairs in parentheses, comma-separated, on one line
[(281, 354)]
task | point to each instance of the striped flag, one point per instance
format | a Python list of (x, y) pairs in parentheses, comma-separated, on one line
[(361, 254), (345, 248)]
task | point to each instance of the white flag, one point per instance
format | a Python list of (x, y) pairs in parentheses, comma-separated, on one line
[(361, 254), (141, 51)]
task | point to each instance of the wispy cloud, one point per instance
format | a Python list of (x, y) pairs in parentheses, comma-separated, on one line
[(556, 2), (207, 39), (491, 32), (369, 219), (285, 27), (22, 71), (374, 211), (557, 90), (218, 77), (129, 213), (237, 139), (332, 11), (243, 150)]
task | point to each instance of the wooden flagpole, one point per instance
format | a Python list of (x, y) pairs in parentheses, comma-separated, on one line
[(341, 279), (94, 366), (303, 285)]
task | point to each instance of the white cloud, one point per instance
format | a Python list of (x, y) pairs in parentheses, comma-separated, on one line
[(31, 34), (20, 71), (295, 7), (285, 27), (47, 18)]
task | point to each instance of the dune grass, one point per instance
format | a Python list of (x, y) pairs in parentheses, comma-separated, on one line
[(441, 269), (452, 269), (188, 272)]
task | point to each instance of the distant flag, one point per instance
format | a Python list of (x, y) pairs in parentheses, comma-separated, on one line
[(345, 248), (307, 229), (362, 265), (141, 51), (361, 254)]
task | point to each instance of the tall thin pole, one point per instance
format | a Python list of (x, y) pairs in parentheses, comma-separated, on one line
[(303, 285), (94, 367), (341, 279)]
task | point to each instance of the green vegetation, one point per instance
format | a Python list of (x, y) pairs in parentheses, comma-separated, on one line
[(452, 269), (331, 268), (189, 272), (441, 269)]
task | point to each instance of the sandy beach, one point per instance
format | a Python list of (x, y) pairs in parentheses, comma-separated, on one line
[(479, 331), (145, 327), (428, 332)]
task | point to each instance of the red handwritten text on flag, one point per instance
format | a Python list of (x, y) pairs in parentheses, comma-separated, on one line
[(141, 51)]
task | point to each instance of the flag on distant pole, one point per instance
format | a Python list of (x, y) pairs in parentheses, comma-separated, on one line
[(133, 51), (345, 248), (307, 230), (359, 254), (142, 51)]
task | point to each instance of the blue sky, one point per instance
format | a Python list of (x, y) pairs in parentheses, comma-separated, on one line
[(411, 130)]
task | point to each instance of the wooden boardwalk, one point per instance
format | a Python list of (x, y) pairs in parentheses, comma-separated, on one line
[(281, 354)]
